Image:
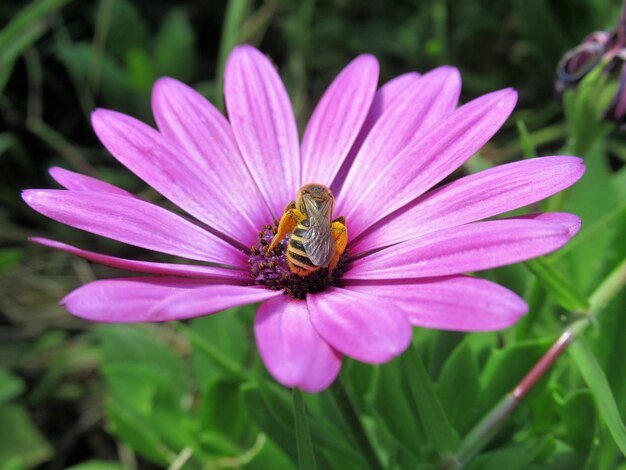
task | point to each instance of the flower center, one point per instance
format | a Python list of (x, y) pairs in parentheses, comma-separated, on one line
[(272, 269)]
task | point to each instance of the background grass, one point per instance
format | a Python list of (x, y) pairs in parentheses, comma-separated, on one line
[(195, 395)]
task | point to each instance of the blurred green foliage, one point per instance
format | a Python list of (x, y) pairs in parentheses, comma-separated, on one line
[(195, 395)]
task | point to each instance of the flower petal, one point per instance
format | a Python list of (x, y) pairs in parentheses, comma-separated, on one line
[(337, 119), (168, 169), (264, 125), (478, 196), (124, 300), (368, 328), (384, 99), (472, 247), (459, 303), (185, 117), (163, 269), (207, 300), (569, 221), (425, 102), (77, 182), (428, 160), (292, 350), (133, 221)]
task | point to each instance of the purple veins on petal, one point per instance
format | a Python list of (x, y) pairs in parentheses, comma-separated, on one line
[(385, 98), (426, 162), (337, 120), (479, 196), (189, 120), (77, 182), (459, 303), (149, 267), (468, 248), (133, 221), (425, 102), (291, 348), (169, 169), (363, 326), (264, 125)]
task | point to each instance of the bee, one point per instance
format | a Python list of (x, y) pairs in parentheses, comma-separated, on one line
[(316, 240)]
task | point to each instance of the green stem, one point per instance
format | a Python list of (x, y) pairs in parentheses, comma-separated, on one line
[(489, 426), (236, 12), (306, 454), (352, 420)]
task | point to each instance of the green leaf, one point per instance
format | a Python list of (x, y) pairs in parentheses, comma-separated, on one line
[(26, 28), (528, 148), (114, 87), (444, 438), (220, 346), (20, 439), (557, 285), (306, 454), (10, 257), (127, 30), (578, 417), (460, 372), (10, 385), (392, 403), (174, 53), (141, 73), (506, 367), (137, 433), (223, 408), (599, 386), (97, 465), (232, 29), (517, 457), (273, 413), (269, 421)]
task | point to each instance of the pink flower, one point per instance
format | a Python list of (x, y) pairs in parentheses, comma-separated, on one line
[(380, 151)]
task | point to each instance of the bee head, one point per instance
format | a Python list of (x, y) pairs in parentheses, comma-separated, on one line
[(315, 192)]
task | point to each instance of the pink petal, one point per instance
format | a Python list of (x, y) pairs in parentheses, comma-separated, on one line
[(569, 221), (337, 119), (368, 328), (472, 247), (133, 221), (167, 269), (485, 194), (206, 300), (424, 103), (185, 117), (458, 303), (170, 170), (77, 182), (124, 300), (428, 160), (264, 125), (384, 99), (292, 350)]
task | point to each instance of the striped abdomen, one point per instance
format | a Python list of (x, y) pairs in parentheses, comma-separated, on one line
[(297, 258)]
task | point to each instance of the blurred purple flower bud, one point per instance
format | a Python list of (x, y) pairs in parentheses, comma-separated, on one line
[(575, 65), (600, 48)]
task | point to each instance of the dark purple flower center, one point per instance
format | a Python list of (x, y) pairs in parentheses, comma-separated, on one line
[(272, 270)]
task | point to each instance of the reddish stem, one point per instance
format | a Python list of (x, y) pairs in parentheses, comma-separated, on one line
[(542, 366)]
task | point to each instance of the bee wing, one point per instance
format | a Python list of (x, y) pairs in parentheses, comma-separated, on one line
[(318, 242)]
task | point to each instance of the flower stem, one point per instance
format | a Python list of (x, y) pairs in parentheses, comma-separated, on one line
[(352, 420), (306, 454), (488, 427)]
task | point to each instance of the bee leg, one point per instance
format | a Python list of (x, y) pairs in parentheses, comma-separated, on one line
[(287, 223), (340, 235)]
